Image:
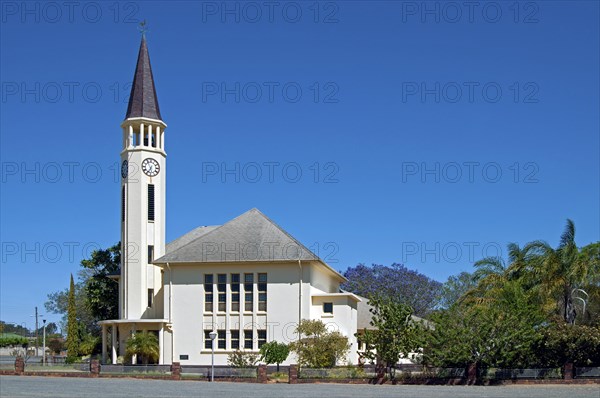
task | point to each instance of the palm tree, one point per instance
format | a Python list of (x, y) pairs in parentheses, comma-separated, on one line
[(560, 272), (144, 344)]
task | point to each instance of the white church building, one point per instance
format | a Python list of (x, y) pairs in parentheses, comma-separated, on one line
[(248, 280)]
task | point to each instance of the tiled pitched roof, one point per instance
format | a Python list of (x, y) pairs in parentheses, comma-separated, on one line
[(142, 100), (249, 237)]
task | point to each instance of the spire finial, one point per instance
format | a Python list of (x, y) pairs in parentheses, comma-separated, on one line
[(143, 29)]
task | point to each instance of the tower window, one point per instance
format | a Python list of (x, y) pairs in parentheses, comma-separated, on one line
[(123, 203), (328, 308), (150, 297), (150, 253), (150, 202)]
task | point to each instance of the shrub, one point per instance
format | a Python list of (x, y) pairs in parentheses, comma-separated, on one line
[(242, 359)]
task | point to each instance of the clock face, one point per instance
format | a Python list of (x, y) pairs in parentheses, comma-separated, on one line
[(150, 167), (124, 168)]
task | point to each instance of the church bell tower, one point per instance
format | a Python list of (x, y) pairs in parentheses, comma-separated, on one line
[(143, 194)]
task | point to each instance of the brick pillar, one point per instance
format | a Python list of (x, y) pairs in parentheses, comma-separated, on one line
[(176, 371), (262, 373), (19, 366), (94, 368), (293, 374), (472, 373), (568, 371)]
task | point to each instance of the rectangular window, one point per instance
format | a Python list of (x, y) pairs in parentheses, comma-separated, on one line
[(150, 297), (150, 253), (222, 290), (221, 339), (249, 292), (123, 203), (328, 308), (235, 339), (235, 293), (262, 292), (207, 340), (208, 292), (262, 337), (150, 202), (248, 339)]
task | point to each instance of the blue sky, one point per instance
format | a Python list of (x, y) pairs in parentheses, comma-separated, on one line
[(429, 135)]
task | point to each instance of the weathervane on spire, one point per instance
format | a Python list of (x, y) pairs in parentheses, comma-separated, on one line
[(143, 29)]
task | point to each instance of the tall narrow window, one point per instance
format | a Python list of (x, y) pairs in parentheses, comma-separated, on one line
[(208, 292), (235, 292), (150, 253), (221, 339), (235, 339), (262, 292), (222, 291), (248, 292), (150, 202), (262, 337), (150, 297), (123, 203), (248, 339)]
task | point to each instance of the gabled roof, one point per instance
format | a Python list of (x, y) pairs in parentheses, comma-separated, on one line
[(142, 100), (249, 237)]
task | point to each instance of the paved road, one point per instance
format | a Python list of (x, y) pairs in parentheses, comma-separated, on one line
[(26, 386)]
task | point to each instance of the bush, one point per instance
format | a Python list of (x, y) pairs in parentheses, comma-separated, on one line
[(12, 340), (319, 348), (56, 346), (242, 359)]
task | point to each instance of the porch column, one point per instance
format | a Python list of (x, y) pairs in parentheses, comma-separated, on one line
[(114, 343), (161, 343), (104, 343)]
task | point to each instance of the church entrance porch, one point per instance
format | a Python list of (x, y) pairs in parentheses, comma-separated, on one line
[(122, 329)]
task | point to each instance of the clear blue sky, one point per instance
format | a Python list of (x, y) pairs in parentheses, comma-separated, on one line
[(389, 90)]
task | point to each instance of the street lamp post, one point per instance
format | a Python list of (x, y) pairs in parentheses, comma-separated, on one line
[(213, 336), (44, 345)]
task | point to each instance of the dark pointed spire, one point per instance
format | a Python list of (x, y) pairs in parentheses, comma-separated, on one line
[(142, 100)]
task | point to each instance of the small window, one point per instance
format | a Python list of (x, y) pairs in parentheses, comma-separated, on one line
[(207, 340), (184, 357), (248, 339), (221, 339), (150, 202), (235, 293), (235, 339), (208, 292), (150, 253), (222, 290), (328, 308), (150, 297), (262, 337)]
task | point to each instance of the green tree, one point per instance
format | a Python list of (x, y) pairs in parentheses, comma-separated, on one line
[(395, 335), (317, 346), (56, 345), (96, 294), (72, 326), (455, 288), (560, 272), (145, 345), (274, 352)]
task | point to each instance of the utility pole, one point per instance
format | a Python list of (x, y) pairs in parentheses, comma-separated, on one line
[(36, 332)]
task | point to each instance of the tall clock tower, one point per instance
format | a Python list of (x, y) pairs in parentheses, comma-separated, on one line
[(143, 194)]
